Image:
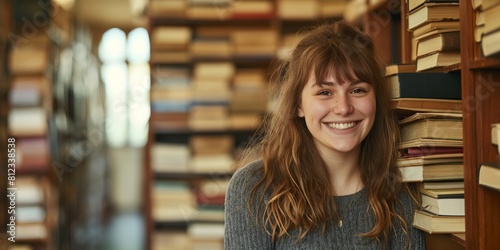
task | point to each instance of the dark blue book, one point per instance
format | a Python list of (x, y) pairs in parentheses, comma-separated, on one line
[(436, 85)]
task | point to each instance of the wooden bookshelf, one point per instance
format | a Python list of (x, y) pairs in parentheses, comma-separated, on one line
[(480, 78)]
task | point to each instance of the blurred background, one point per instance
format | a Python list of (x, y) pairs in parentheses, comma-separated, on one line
[(126, 115)]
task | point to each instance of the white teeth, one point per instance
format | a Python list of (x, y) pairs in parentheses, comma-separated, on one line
[(342, 125)]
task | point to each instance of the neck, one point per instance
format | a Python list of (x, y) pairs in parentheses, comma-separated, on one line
[(345, 173)]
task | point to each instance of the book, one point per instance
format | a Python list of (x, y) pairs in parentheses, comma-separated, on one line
[(487, 4), (437, 60), (430, 159), (170, 37), (426, 105), (211, 144), (399, 68), (418, 148), (444, 41), (442, 184), (491, 19), (432, 144), (436, 26), (432, 12), (431, 223), (443, 201), (489, 175), (297, 9), (29, 121), (413, 4), (435, 172), (435, 85), (329, 9), (438, 126), (490, 43), (495, 133)]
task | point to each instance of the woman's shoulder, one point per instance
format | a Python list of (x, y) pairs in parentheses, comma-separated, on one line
[(248, 175)]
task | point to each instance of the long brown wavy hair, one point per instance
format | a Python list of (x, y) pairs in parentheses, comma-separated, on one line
[(294, 175)]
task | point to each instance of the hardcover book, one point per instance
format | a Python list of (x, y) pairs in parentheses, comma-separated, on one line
[(436, 85), (432, 125), (437, 60), (489, 175), (432, 12), (432, 223), (445, 41), (444, 201), (413, 4), (435, 172), (411, 105)]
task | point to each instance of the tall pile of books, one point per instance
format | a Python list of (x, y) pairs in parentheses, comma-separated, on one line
[(431, 147), (432, 154), (435, 30)]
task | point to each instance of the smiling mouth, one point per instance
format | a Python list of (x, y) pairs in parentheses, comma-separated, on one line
[(342, 126)]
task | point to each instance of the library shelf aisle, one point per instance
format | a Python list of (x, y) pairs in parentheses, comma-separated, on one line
[(49, 100)]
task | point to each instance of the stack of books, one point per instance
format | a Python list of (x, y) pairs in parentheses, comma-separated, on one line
[(249, 98), (170, 44), (211, 153), (171, 91), (293, 9), (172, 202), (435, 29), (211, 95), (489, 172), (432, 155), (254, 43), (488, 28), (31, 207)]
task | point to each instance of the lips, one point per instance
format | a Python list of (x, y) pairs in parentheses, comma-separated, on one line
[(342, 125)]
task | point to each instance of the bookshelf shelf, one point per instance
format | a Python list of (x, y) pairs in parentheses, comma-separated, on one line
[(239, 60), (485, 63), (263, 20)]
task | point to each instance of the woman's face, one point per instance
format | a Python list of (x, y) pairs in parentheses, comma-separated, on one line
[(338, 115)]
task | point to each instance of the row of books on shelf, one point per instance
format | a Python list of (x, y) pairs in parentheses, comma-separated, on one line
[(487, 25), (197, 236), (199, 207), (227, 9), (202, 154), (181, 43)]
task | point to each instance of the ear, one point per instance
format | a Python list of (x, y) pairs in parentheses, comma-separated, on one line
[(300, 112)]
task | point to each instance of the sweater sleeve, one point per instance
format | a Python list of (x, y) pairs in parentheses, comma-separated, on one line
[(240, 224)]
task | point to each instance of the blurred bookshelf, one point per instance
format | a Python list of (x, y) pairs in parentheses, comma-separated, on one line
[(211, 66)]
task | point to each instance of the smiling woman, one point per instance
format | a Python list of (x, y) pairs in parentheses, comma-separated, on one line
[(323, 176)]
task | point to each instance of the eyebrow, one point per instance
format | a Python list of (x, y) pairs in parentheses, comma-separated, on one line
[(323, 83)]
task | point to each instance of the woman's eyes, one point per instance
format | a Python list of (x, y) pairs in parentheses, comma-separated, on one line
[(324, 92), (353, 91), (358, 91)]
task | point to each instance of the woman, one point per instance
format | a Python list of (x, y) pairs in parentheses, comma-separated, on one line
[(325, 174)]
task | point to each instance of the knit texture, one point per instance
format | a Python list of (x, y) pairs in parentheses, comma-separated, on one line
[(243, 232)]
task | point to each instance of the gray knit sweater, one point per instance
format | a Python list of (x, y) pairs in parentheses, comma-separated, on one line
[(242, 232)]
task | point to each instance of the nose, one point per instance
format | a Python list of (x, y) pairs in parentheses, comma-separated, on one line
[(342, 105)]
